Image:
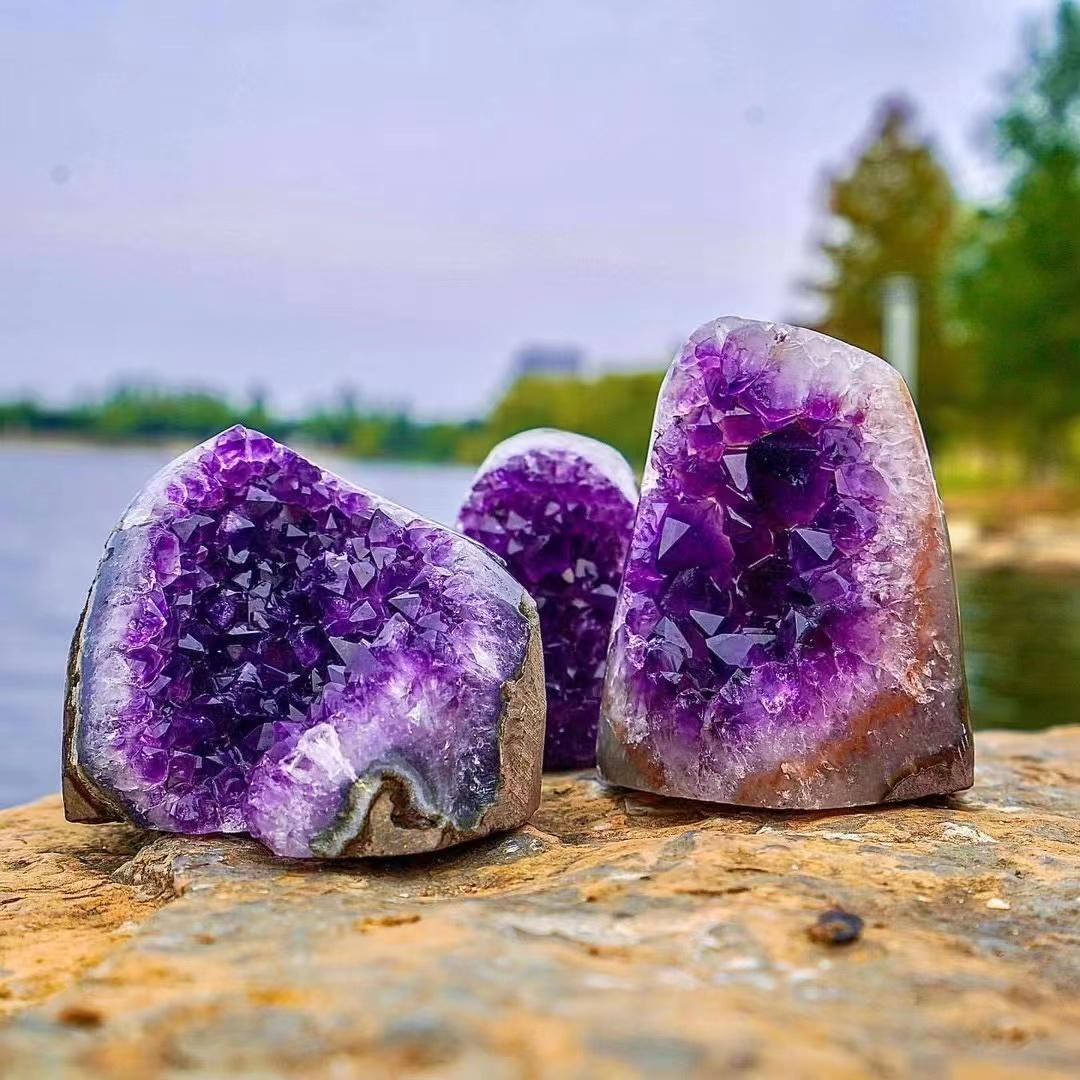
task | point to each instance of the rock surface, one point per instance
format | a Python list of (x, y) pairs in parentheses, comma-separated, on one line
[(618, 935), (786, 634)]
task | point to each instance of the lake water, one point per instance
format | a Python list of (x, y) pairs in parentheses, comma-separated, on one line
[(58, 505)]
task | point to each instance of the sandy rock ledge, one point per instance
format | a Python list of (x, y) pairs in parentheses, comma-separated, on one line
[(619, 935)]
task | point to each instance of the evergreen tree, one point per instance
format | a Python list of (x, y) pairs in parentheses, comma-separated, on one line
[(1020, 278), (894, 212)]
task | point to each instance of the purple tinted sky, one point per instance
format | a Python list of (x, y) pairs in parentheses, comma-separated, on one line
[(397, 195)]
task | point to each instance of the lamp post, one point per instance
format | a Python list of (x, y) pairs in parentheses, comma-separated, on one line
[(900, 326)]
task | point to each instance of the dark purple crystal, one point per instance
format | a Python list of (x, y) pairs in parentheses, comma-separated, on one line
[(559, 508), (786, 633), (266, 647)]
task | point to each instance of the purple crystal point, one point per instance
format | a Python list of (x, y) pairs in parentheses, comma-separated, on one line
[(268, 649), (786, 634), (558, 508)]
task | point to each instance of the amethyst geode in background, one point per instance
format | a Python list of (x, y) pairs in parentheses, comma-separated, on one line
[(786, 634), (558, 507), (268, 649)]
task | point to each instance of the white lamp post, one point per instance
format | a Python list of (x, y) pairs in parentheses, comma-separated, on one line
[(900, 326)]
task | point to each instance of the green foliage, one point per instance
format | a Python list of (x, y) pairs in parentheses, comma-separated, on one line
[(895, 212), (133, 412), (1019, 280), (152, 413), (616, 408), (386, 435)]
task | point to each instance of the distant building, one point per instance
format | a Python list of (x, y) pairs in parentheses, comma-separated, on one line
[(548, 360)]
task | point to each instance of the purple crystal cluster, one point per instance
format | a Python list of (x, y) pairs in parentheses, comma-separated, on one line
[(267, 649), (786, 634), (559, 509)]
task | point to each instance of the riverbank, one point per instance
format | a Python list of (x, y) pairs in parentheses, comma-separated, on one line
[(172, 446), (1040, 543), (617, 935)]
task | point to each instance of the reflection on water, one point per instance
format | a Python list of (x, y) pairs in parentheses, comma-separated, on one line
[(58, 504), (1022, 641)]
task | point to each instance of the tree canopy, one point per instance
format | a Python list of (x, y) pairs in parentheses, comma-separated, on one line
[(1019, 286), (894, 212)]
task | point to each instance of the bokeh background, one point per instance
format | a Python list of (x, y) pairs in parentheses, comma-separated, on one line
[(394, 234)]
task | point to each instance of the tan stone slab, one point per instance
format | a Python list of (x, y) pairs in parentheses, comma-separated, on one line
[(619, 935)]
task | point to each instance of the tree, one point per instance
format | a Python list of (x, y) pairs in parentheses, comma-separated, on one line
[(1019, 285), (616, 408), (895, 212)]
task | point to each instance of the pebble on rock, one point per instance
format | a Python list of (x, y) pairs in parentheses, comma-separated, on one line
[(836, 927)]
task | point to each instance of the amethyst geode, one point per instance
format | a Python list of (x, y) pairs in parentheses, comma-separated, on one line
[(559, 508), (786, 634), (268, 649)]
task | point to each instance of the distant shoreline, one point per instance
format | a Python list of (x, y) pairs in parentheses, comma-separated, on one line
[(1043, 543), (75, 442), (178, 446)]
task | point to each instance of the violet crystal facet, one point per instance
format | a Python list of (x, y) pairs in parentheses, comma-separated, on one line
[(559, 507), (268, 649), (786, 634)]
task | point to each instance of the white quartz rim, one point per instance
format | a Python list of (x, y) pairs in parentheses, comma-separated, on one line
[(603, 457)]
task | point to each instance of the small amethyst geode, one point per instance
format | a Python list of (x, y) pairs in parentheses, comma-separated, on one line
[(268, 649), (786, 634), (559, 508)]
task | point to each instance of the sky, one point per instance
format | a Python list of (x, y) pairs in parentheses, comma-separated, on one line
[(396, 195)]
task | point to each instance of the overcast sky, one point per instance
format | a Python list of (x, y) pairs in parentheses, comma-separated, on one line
[(396, 195)]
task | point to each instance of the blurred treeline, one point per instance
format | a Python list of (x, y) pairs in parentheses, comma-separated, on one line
[(998, 286), (999, 310), (616, 408), (145, 412)]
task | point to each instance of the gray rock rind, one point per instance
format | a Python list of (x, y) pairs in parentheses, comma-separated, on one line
[(398, 820), (388, 814)]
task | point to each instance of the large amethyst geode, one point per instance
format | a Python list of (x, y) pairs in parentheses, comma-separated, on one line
[(268, 649), (786, 634), (559, 508)]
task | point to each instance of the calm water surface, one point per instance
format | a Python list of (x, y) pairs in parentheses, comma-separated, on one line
[(58, 505)]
